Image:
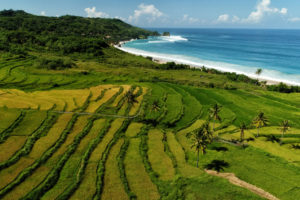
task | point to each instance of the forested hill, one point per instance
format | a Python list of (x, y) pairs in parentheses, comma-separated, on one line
[(79, 34)]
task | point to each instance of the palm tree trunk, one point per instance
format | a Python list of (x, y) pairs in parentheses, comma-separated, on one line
[(198, 158), (214, 126)]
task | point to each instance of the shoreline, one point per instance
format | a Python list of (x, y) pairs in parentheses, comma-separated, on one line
[(161, 60)]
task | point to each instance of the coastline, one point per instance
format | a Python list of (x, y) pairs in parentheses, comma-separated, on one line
[(161, 60)]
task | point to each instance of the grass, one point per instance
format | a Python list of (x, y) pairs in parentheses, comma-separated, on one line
[(185, 169), (204, 187), (38, 149), (96, 104), (7, 117), (87, 188), (174, 106), (24, 187), (11, 146), (113, 187), (139, 180), (159, 160), (29, 124), (68, 173), (95, 85), (133, 129), (192, 108)]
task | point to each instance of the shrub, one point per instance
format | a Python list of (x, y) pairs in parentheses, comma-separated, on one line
[(54, 64)]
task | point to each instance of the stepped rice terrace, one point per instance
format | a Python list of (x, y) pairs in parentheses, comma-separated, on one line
[(115, 128)]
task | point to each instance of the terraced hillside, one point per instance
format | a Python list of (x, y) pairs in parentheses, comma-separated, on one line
[(98, 143)]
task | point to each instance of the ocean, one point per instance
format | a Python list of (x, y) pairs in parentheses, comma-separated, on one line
[(243, 51)]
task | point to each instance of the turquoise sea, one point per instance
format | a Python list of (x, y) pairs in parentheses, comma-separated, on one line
[(243, 51)]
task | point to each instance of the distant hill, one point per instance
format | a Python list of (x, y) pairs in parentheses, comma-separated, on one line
[(66, 33)]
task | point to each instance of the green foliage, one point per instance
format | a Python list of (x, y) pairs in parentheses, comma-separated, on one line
[(66, 34), (54, 63), (121, 158), (101, 164), (5, 133), (283, 88), (37, 134), (84, 161), (29, 170), (173, 66)]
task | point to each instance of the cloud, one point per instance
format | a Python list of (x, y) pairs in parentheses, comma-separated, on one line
[(235, 19), (263, 8), (191, 20), (43, 13), (91, 12), (294, 19), (223, 18), (149, 11)]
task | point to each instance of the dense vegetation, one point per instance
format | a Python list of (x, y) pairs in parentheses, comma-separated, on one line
[(66, 34), (117, 126)]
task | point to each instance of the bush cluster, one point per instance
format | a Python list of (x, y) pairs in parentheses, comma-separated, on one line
[(54, 63)]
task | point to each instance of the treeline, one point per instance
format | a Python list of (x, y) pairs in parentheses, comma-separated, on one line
[(283, 88), (54, 63), (21, 32), (109, 30)]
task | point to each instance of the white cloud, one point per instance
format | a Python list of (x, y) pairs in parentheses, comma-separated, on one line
[(150, 11), (294, 19), (191, 20), (43, 13), (223, 18), (235, 19), (92, 12), (263, 8), (284, 11)]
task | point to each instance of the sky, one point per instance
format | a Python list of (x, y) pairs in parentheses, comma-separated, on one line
[(169, 13)]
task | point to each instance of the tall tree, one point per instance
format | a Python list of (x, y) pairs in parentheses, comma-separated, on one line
[(260, 121), (130, 98), (243, 127), (201, 138), (258, 72), (214, 114), (155, 106), (285, 126)]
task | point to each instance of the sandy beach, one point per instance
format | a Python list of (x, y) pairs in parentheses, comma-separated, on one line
[(160, 60)]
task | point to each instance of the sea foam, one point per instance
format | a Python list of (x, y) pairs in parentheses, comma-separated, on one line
[(271, 75), (166, 39)]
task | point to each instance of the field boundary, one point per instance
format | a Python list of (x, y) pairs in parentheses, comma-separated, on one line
[(92, 114)]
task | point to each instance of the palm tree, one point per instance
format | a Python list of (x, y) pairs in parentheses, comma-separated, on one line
[(260, 121), (214, 114), (201, 138), (243, 127), (285, 126), (130, 98), (155, 106), (258, 72)]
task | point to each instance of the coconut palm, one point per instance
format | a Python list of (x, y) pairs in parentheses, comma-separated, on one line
[(260, 121), (214, 114), (285, 126), (243, 127), (130, 98), (155, 106), (201, 138), (258, 72)]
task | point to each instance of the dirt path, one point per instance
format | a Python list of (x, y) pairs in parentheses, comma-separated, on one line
[(236, 181)]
